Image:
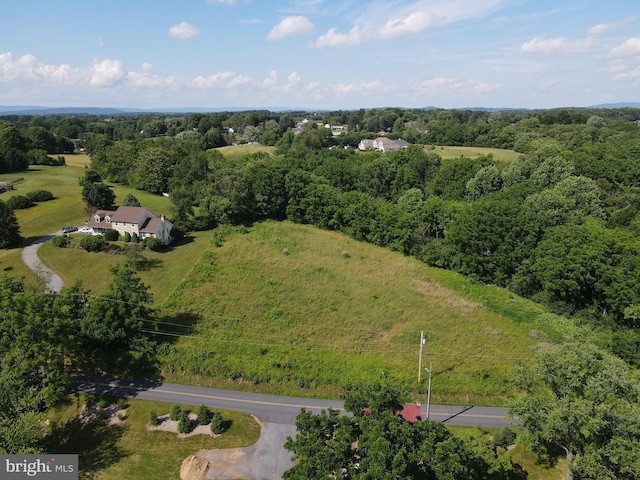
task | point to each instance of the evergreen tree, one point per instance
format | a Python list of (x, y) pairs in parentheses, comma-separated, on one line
[(9, 228)]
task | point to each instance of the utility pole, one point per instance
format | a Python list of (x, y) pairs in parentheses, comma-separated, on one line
[(422, 342), (429, 390)]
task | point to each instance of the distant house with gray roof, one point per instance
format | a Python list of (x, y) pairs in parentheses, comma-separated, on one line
[(383, 144)]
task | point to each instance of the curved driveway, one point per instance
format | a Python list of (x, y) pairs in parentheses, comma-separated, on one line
[(30, 257), (267, 459)]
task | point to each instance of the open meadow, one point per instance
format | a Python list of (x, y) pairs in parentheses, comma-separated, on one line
[(501, 156)]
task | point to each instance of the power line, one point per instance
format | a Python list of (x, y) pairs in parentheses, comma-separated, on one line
[(366, 344), (332, 349)]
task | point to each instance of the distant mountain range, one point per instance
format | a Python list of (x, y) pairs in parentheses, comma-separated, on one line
[(36, 110)]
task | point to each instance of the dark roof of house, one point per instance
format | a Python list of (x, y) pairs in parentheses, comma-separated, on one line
[(130, 214)]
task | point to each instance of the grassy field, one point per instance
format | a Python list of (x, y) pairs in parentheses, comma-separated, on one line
[(129, 450), (289, 308), (161, 271), (500, 156), (233, 152)]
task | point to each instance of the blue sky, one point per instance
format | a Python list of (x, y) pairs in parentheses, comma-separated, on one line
[(325, 54)]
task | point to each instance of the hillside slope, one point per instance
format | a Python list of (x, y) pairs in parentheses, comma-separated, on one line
[(282, 306)]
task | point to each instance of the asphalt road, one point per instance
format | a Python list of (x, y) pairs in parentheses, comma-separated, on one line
[(267, 459), (270, 408)]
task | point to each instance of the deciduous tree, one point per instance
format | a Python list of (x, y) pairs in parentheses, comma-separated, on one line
[(583, 401)]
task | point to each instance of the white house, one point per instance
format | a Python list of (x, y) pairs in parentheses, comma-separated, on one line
[(383, 144), (139, 220)]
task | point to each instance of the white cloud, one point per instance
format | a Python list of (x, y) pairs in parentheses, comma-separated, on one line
[(147, 66), (271, 80), (183, 31), (146, 80), (219, 80), (629, 47), (543, 45), (631, 75), (290, 26), (106, 72), (605, 27), (27, 68), (365, 88), (226, 2), (390, 20), (549, 84), (454, 87), (546, 46)]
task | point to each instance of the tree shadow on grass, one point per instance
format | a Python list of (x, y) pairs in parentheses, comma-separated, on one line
[(548, 455), (95, 443), (146, 264)]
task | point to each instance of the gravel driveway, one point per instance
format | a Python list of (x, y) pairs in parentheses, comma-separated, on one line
[(30, 257), (267, 459)]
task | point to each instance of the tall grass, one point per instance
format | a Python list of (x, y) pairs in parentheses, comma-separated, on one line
[(282, 307)]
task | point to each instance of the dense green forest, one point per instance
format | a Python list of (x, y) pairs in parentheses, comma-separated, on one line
[(558, 225)]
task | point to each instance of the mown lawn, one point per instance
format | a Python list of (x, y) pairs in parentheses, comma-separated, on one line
[(161, 271), (129, 449)]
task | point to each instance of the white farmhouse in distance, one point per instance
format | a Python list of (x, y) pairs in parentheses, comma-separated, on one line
[(383, 144)]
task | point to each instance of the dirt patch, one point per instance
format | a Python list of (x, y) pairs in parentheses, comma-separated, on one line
[(110, 414), (167, 425)]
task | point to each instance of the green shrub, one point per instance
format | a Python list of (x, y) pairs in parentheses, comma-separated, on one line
[(505, 437), (153, 243), (122, 403), (19, 202), (127, 237), (111, 235), (153, 418), (204, 415), (40, 196), (60, 241), (93, 243), (184, 423), (135, 238), (175, 412), (217, 423)]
